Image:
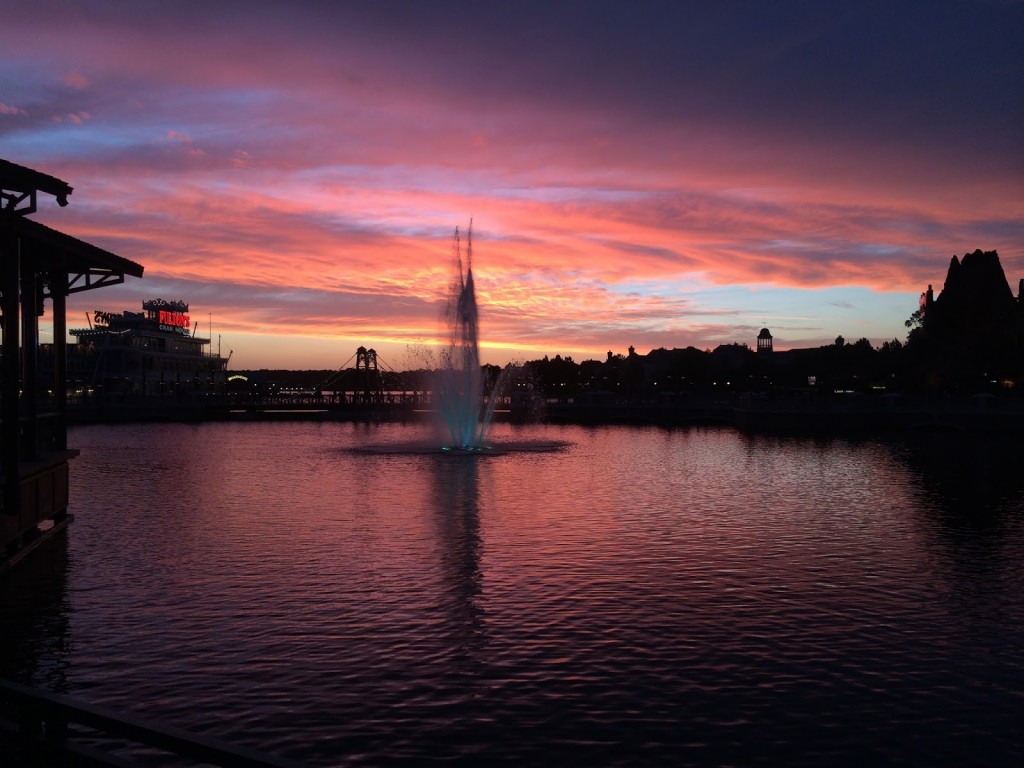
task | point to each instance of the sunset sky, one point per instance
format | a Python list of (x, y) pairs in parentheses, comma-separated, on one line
[(655, 174)]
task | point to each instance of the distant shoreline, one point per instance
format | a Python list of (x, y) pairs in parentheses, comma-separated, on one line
[(769, 412)]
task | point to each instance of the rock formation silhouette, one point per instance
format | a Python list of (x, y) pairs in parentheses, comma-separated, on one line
[(974, 329)]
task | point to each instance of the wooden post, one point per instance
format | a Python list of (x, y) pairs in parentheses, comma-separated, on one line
[(29, 351), (59, 294), (9, 409)]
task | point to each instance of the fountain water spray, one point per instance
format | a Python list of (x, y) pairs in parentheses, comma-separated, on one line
[(458, 390)]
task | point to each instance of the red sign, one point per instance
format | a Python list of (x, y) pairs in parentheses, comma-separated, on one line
[(175, 319)]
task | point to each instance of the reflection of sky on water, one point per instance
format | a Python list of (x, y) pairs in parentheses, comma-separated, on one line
[(639, 595)]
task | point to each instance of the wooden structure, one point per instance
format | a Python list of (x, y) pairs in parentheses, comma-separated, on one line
[(37, 263)]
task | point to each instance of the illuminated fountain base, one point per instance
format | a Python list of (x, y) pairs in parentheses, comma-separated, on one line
[(427, 448)]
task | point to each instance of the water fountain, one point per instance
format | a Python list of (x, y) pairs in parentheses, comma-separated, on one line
[(463, 413)]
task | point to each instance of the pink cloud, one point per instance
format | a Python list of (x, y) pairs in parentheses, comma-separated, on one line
[(75, 80), (76, 118), (546, 273)]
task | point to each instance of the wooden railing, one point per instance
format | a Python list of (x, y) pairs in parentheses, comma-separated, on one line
[(42, 728)]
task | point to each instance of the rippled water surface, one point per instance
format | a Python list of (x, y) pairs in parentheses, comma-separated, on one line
[(639, 596)]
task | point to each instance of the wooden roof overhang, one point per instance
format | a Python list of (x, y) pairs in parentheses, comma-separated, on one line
[(87, 266), (19, 185)]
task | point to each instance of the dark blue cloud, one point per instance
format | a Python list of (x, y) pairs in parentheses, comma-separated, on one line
[(943, 72)]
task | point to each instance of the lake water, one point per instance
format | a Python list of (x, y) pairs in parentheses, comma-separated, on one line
[(641, 596)]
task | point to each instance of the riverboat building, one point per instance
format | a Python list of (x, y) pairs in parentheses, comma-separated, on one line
[(153, 352)]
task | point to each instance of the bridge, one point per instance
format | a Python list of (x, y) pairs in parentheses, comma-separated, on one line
[(365, 386), (363, 383)]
